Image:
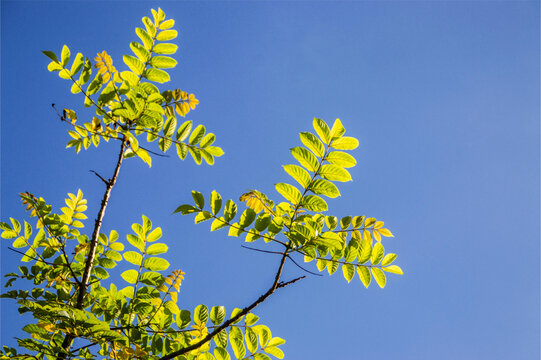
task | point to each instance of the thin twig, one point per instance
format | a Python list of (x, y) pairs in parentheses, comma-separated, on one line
[(308, 271), (101, 178), (263, 251)]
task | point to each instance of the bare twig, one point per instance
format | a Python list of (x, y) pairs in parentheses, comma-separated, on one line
[(308, 271), (101, 178)]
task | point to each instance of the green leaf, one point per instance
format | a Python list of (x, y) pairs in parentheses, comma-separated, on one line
[(166, 35), (135, 65), (137, 242), (247, 217), (221, 353), (167, 24), (184, 130), (337, 129), (165, 49), (197, 135), (322, 130), (145, 38), (215, 202), (314, 203), (155, 264), (77, 64), (388, 259), (305, 158), (186, 209), (274, 351), (51, 55), (163, 62), (377, 253), (261, 356), (262, 221), (251, 319), (151, 278), (230, 210), (214, 151), (217, 314), (395, 269), (202, 216), (140, 51), (156, 249), (349, 271), (201, 314), (65, 56), (217, 224), (276, 341), (133, 257), (324, 187), (143, 155), (341, 158), (299, 174), (364, 275), (365, 251), (207, 140), (237, 345), (154, 235), (156, 75), (20, 242), (182, 150), (379, 276), (199, 199), (251, 340), (330, 239), (289, 192), (345, 143), (130, 276), (312, 142), (334, 173)]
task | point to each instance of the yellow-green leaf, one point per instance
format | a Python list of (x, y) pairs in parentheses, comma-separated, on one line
[(379, 276)]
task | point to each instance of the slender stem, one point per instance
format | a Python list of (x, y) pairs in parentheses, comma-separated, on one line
[(66, 344), (275, 285)]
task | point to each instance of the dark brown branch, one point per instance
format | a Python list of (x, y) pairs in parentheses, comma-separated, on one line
[(275, 285), (101, 178), (66, 344)]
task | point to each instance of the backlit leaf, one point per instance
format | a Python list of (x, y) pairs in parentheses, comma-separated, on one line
[(289, 192), (341, 158), (156, 75), (345, 143), (299, 174), (305, 158), (322, 130), (314, 203), (349, 271), (312, 142), (155, 264), (324, 187), (379, 276), (395, 269), (334, 173), (364, 275), (130, 276)]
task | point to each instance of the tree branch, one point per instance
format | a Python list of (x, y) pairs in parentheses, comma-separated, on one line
[(66, 344), (275, 285)]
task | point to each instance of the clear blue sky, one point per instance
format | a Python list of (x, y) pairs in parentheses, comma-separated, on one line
[(443, 96)]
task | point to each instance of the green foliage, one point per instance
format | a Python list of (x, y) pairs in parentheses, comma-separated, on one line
[(299, 223), (68, 289), (128, 104)]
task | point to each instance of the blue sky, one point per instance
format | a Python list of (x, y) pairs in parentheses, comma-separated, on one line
[(443, 96)]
